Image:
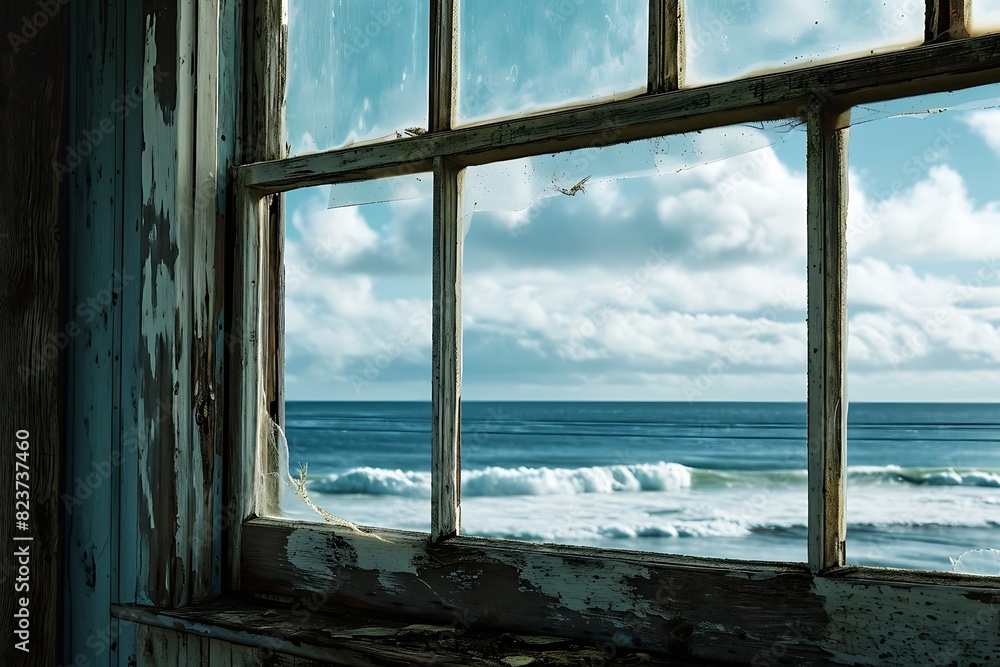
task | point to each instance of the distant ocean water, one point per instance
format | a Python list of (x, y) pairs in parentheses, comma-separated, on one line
[(721, 480)]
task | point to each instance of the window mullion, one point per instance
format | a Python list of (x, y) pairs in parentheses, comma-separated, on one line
[(827, 307), (946, 19), (665, 45), (443, 64), (446, 401)]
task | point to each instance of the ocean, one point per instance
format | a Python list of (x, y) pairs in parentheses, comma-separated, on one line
[(724, 480)]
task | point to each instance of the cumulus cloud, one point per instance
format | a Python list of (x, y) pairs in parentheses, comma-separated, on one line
[(935, 219), (987, 124), (726, 40), (690, 285)]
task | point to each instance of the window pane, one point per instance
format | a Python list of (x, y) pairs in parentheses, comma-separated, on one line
[(357, 71), (924, 348), (519, 56), (729, 39), (622, 306), (357, 352), (985, 16)]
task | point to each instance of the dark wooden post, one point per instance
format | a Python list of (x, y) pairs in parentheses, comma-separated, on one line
[(32, 325)]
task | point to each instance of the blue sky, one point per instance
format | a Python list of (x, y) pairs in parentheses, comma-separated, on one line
[(678, 273)]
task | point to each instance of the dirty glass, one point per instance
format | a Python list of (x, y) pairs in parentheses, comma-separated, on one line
[(521, 56), (924, 333), (985, 16), (358, 354), (729, 39), (357, 71), (634, 349)]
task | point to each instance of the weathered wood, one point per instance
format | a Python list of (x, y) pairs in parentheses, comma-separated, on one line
[(138, 77), (92, 161), (446, 343), (253, 378), (265, 41), (32, 325), (443, 64), (827, 334), (301, 631), (924, 69), (666, 45), (725, 610), (208, 286), (946, 19), (167, 648), (245, 439), (181, 301)]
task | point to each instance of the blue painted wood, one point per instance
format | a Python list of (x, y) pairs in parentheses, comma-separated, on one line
[(229, 154), (137, 79), (147, 273), (93, 160)]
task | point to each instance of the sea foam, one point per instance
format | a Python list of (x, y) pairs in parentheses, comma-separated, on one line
[(520, 481)]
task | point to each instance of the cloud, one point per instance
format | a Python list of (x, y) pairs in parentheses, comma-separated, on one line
[(357, 310), (934, 220), (987, 124), (726, 40), (682, 286), (545, 55)]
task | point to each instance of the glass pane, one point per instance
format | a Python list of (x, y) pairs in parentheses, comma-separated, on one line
[(924, 325), (519, 56), (357, 71), (634, 350), (985, 16), (729, 39), (357, 353)]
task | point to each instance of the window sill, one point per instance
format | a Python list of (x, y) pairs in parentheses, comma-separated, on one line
[(342, 639)]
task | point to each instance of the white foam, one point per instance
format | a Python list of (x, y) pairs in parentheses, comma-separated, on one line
[(514, 481)]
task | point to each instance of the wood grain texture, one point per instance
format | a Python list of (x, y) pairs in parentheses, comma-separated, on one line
[(97, 282), (753, 613), (946, 20), (827, 334), (181, 301), (666, 45), (138, 76), (246, 376), (33, 88), (303, 634), (443, 64), (446, 355), (253, 335), (924, 69)]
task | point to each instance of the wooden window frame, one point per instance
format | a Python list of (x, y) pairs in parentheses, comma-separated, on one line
[(697, 606)]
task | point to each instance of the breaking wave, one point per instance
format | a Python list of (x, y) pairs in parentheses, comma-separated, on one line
[(635, 478)]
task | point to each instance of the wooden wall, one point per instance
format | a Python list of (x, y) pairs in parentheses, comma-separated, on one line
[(153, 99), (33, 330)]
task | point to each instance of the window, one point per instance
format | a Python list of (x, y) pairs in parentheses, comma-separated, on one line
[(707, 607)]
